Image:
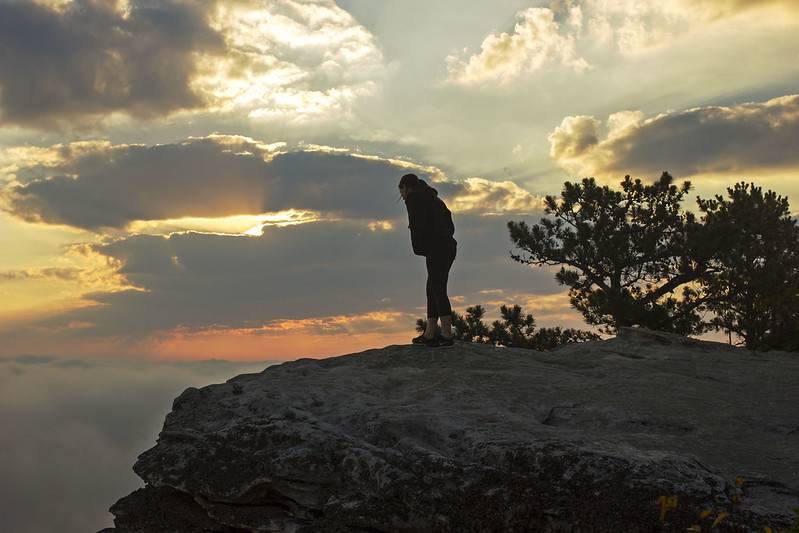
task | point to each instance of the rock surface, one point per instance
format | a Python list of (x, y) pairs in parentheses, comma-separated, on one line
[(479, 438)]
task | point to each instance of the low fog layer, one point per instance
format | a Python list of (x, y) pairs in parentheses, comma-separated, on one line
[(70, 431)]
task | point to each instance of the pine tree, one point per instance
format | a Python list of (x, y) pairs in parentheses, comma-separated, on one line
[(628, 256), (516, 330), (754, 289)]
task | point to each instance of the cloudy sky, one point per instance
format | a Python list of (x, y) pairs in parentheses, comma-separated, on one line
[(193, 179), (183, 180)]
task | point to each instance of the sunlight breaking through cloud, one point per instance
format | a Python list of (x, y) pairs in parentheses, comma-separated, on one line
[(251, 225), (288, 60)]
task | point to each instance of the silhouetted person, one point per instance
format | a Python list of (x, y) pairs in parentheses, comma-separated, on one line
[(432, 230)]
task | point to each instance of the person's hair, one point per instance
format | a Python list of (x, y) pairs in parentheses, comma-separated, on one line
[(414, 183)]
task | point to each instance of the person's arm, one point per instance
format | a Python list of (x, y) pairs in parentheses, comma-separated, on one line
[(417, 222)]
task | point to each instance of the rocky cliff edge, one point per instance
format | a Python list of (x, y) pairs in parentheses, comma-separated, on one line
[(601, 436)]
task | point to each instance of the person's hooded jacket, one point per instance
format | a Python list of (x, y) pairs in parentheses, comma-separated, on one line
[(430, 222)]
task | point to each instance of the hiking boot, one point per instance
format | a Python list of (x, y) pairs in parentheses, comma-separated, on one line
[(420, 340), (440, 342)]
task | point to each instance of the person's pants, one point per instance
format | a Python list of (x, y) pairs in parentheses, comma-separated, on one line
[(438, 264)]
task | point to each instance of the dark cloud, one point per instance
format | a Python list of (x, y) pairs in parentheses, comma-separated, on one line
[(715, 139), (87, 59), (63, 274), (217, 177), (111, 187), (197, 280), (742, 138), (28, 359)]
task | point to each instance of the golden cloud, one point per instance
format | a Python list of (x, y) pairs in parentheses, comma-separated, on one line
[(563, 36), (288, 59), (493, 197), (535, 43)]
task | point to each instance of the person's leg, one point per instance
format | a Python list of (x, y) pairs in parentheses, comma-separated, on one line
[(432, 313), (438, 305), (446, 326), (430, 331)]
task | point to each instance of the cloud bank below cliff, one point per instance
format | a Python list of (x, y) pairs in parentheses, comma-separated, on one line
[(72, 429)]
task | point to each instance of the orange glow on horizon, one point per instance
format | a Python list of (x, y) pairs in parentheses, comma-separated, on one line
[(234, 346), (229, 345), (279, 340)]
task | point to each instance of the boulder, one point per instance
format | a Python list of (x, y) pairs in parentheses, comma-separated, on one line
[(642, 432)]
